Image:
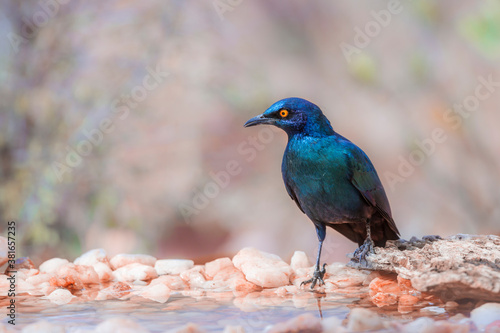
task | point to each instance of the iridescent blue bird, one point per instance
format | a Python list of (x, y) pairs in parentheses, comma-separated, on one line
[(330, 179)]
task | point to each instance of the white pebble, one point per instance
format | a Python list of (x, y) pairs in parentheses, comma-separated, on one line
[(135, 271), (52, 265), (173, 266), (121, 260), (103, 271), (217, 266), (60, 296), (92, 257), (299, 260), (158, 292)]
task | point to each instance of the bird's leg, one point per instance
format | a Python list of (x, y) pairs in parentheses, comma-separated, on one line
[(364, 250), (318, 273)]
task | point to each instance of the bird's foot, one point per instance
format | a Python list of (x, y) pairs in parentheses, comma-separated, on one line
[(358, 258), (317, 277), (414, 242)]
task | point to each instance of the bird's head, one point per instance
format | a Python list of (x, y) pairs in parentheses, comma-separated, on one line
[(294, 115)]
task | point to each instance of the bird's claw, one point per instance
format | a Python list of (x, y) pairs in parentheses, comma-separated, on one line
[(359, 256), (317, 277)]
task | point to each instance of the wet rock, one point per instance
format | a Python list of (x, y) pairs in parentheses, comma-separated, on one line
[(92, 257), (52, 265), (43, 326), (364, 320), (221, 274), (38, 279), (60, 296), (263, 269), (194, 277), (158, 292), (135, 271), (121, 260), (173, 282), (306, 323), (458, 267), (74, 276), (120, 324), (340, 276), (485, 314), (217, 266), (173, 266), (117, 290), (103, 271)]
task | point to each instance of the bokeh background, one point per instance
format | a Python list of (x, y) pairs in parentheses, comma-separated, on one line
[(169, 84)]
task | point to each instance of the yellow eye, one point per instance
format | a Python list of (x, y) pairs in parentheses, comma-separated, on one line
[(284, 113)]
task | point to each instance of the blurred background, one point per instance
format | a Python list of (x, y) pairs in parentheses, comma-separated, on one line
[(122, 121)]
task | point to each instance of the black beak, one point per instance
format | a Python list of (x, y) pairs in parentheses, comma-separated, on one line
[(260, 119)]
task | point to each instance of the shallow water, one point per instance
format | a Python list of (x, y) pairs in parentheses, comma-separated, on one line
[(211, 310)]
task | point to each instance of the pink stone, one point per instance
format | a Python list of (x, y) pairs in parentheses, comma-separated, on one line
[(173, 282), (86, 274), (121, 260), (194, 277), (343, 277), (52, 265), (263, 269), (135, 271), (92, 257), (103, 271), (303, 323), (284, 290), (35, 280), (22, 286), (117, 290), (158, 292), (173, 266), (299, 260), (60, 296), (212, 268)]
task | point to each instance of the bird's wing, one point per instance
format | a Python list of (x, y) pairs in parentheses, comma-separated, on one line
[(365, 179), (292, 195)]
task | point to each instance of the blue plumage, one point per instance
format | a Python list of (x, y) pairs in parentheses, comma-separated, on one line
[(331, 179)]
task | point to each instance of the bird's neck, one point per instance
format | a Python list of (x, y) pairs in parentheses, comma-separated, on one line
[(318, 128)]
